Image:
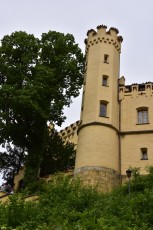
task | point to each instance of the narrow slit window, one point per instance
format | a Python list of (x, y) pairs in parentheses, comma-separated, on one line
[(103, 109), (106, 58), (104, 80)]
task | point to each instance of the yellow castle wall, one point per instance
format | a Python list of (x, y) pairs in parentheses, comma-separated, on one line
[(130, 101), (136, 136), (69, 134), (133, 136), (96, 147), (131, 151)]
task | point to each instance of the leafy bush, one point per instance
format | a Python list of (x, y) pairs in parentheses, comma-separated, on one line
[(66, 205)]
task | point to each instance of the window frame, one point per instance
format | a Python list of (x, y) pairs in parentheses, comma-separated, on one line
[(142, 115), (144, 154), (105, 80), (103, 112)]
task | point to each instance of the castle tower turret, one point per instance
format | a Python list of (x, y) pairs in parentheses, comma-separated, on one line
[(97, 159)]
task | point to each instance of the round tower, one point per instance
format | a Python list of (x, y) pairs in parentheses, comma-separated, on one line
[(98, 158)]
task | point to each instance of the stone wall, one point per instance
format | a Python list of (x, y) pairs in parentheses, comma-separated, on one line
[(104, 179)]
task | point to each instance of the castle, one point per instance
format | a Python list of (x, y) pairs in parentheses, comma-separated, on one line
[(115, 130)]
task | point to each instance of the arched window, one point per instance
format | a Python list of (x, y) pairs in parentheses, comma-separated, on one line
[(142, 115)]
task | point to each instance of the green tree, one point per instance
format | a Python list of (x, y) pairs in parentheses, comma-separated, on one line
[(11, 161), (38, 77), (58, 155)]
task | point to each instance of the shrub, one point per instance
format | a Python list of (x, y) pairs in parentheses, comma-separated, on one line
[(66, 205)]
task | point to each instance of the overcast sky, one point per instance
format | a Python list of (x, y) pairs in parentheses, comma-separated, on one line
[(133, 18)]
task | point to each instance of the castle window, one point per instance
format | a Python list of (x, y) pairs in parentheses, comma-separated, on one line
[(104, 80), (144, 154), (103, 108), (142, 115), (106, 58)]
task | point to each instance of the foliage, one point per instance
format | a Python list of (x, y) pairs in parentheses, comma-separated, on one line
[(38, 77), (11, 161), (57, 155), (66, 205)]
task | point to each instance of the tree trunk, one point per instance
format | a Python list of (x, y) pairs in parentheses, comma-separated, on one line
[(32, 167)]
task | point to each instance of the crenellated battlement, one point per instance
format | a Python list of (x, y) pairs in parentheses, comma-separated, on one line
[(136, 90), (68, 133), (104, 36)]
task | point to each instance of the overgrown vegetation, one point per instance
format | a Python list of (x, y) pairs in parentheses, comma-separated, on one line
[(66, 205), (57, 156)]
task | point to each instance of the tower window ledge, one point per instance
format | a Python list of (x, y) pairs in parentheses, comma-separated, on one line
[(103, 116), (143, 123)]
